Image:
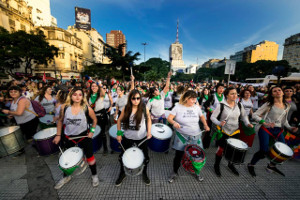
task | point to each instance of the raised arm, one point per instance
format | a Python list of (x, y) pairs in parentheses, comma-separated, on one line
[(166, 89)]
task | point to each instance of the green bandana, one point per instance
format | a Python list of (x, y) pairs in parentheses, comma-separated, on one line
[(220, 98), (206, 97), (93, 97), (167, 94), (171, 90), (114, 90), (158, 97)]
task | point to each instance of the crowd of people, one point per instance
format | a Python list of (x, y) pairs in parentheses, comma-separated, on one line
[(199, 113)]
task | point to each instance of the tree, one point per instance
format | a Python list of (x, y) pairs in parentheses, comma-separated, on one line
[(23, 48), (154, 69)]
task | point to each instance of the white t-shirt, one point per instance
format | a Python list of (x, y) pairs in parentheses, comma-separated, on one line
[(247, 105), (157, 107), (188, 118), (168, 100), (133, 134), (49, 105), (121, 102)]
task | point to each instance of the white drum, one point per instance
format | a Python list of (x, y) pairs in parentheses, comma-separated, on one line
[(47, 121), (71, 159), (113, 110), (161, 137), (133, 159)]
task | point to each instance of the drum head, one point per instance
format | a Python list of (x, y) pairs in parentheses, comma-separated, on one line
[(47, 119), (239, 144), (161, 131), (113, 131), (284, 149), (70, 157), (8, 130), (133, 158), (195, 151), (97, 131), (45, 133)]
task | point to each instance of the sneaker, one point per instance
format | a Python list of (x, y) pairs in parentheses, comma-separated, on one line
[(233, 169), (146, 179), (95, 180), (272, 169), (173, 177), (251, 170), (217, 170), (122, 176), (62, 182), (199, 178)]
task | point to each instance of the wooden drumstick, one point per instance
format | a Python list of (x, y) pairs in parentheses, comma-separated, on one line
[(62, 154), (73, 138)]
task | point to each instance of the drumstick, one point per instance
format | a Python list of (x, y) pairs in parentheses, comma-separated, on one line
[(73, 138), (124, 151), (62, 154), (142, 142)]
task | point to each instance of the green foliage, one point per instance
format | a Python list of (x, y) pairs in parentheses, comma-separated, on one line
[(183, 77), (154, 69), (19, 48)]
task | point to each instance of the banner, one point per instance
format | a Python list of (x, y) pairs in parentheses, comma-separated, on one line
[(230, 67), (83, 18)]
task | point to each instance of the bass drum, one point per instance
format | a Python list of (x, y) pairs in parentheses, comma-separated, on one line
[(11, 140)]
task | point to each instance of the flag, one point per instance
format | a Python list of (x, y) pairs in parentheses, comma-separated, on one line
[(44, 77)]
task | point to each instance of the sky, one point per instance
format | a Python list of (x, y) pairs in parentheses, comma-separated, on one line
[(207, 28)]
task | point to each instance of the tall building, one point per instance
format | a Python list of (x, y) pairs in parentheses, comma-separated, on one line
[(115, 38), (192, 69), (92, 45), (41, 13), (210, 63), (70, 55), (291, 51), (265, 50), (175, 54), (15, 15)]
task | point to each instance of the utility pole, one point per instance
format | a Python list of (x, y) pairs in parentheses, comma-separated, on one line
[(144, 50)]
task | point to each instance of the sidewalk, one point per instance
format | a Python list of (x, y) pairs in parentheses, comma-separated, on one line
[(30, 176)]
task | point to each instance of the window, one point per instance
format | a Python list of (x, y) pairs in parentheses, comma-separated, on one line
[(23, 28), (51, 35)]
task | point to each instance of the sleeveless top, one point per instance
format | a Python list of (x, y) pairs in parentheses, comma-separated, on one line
[(133, 134), (26, 116), (75, 124), (217, 102), (106, 101), (99, 104), (48, 105)]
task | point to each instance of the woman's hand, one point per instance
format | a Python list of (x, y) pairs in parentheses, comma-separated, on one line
[(271, 125), (5, 111), (222, 123), (90, 135), (206, 128), (176, 125), (56, 139), (250, 125), (294, 129), (149, 135), (119, 138)]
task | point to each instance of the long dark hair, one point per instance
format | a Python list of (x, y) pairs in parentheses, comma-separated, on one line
[(151, 92), (42, 94), (270, 98), (91, 92), (128, 110), (202, 93)]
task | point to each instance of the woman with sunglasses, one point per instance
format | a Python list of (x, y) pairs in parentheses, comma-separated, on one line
[(136, 122), (156, 101), (122, 98), (74, 117), (21, 109), (95, 99), (273, 117), (185, 117)]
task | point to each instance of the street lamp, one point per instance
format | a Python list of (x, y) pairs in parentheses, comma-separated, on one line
[(144, 50)]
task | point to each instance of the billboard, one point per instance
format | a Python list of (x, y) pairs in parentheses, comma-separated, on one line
[(230, 67), (83, 18)]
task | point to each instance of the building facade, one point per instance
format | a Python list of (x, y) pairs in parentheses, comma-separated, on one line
[(265, 50), (291, 51), (41, 13), (70, 55), (16, 15), (192, 69), (115, 38), (210, 63)]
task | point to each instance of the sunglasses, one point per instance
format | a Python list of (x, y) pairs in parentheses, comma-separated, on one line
[(135, 98), (76, 95), (104, 88)]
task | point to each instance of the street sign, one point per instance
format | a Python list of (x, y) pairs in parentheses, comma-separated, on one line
[(230, 67)]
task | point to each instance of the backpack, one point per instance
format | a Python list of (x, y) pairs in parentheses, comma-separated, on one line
[(38, 109)]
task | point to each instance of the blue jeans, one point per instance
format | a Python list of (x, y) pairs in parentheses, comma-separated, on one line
[(264, 137)]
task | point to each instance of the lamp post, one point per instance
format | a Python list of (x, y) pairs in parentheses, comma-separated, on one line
[(144, 50)]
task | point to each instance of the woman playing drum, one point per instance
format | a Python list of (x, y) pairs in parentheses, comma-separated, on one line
[(156, 101), (136, 123), (74, 116), (226, 118), (273, 117), (185, 117)]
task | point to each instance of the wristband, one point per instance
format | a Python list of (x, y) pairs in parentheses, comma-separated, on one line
[(262, 121), (120, 133), (210, 110), (92, 129)]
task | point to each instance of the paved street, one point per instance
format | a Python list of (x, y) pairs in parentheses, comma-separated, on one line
[(30, 176)]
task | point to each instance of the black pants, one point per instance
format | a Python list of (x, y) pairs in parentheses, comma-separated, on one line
[(29, 128), (127, 143), (177, 160), (102, 121)]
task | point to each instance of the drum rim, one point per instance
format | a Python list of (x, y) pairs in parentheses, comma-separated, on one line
[(47, 137), (46, 122), (185, 150), (280, 153), (245, 149), (81, 160), (167, 127), (6, 133), (123, 157), (277, 156)]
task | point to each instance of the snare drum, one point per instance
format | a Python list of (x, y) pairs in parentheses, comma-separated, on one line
[(114, 144), (280, 152), (43, 140), (11, 140), (161, 137), (235, 150), (133, 159), (47, 122), (71, 159), (193, 159)]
